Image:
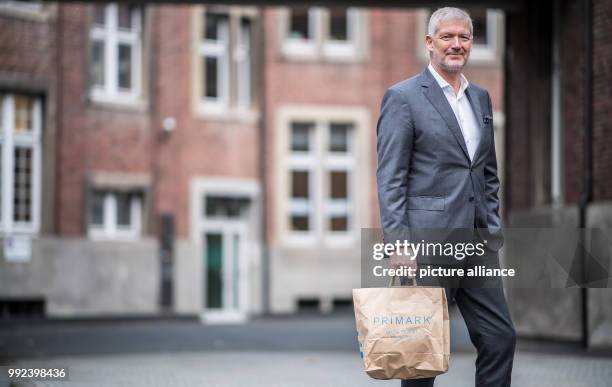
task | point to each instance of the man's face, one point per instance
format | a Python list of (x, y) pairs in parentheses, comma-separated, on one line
[(450, 47)]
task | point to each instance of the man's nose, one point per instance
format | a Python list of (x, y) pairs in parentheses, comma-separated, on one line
[(456, 43)]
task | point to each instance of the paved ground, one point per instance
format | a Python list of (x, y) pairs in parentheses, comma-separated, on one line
[(95, 337), (304, 369), (299, 351)]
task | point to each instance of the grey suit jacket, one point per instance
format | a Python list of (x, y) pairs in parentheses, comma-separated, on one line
[(425, 177)]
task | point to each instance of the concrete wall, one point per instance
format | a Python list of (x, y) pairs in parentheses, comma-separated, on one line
[(549, 313), (312, 274), (79, 278), (599, 216), (556, 313), (187, 279)]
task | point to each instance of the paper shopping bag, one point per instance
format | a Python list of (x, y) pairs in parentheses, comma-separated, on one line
[(403, 332)]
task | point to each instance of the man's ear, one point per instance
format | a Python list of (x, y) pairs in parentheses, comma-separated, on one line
[(429, 43)]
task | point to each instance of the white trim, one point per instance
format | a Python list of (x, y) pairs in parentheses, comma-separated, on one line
[(200, 188), (111, 37), (319, 45), (218, 49), (344, 48), (356, 163), (303, 47), (488, 51), (242, 56), (233, 52), (9, 141), (110, 229)]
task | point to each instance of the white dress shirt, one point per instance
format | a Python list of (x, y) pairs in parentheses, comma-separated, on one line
[(463, 111)]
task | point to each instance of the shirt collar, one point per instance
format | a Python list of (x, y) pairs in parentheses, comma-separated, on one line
[(443, 84)]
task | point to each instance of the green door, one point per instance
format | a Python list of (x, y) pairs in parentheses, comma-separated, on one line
[(214, 270)]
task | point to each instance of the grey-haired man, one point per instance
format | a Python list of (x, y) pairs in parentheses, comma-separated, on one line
[(437, 169)]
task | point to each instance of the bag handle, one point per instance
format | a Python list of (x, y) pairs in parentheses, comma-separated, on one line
[(392, 281)]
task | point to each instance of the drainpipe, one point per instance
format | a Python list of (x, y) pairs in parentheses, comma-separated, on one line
[(263, 151), (59, 106), (587, 193)]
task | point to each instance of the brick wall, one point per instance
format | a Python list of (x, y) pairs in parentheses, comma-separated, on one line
[(572, 94), (102, 138), (27, 47), (93, 137), (393, 55), (602, 100)]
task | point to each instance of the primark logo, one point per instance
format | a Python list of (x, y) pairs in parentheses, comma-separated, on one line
[(400, 320)]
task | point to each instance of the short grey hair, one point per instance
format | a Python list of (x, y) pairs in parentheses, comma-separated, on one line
[(447, 13)]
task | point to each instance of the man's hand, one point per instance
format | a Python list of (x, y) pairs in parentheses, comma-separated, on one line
[(409, 261)]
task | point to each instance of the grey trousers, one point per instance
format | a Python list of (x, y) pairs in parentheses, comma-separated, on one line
[(488, 321)]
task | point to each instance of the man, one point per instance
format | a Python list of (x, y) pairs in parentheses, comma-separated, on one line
[(437, 169)]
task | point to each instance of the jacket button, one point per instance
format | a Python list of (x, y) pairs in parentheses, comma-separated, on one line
[(471, 199)]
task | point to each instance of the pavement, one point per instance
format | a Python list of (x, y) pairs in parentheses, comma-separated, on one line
[(297, 351)]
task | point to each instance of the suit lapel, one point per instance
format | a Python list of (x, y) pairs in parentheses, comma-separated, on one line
[(436, 97), (474, 99)]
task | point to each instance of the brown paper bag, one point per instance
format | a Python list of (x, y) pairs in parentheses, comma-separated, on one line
[(403, 332)]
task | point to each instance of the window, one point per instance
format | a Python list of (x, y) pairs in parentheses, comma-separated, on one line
[(329, 33), (485, 23), (321, 166), (338, 164), (115, 64), (301, 170), (20, 163), (300, 24), (115, 215), (224, 62), (225, 206)]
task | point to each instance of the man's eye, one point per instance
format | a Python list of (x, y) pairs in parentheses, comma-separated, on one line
[(445, 37)]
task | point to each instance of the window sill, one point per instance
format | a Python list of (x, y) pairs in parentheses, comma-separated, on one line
[(118, 103), (16, 11), (227, 115), (347, 55), (333, 240), (94, 236), (19, 232)]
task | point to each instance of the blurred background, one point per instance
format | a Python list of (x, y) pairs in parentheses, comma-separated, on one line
[(194, 177)]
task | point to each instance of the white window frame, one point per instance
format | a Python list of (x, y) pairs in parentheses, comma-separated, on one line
[(343, 48), (339, 162), (112, 36), (242, 57), (218, 49), (488, 51), (110, 230), (304, 47), (236, 100), (320, 45), (304, 161), (8, 141), (319, 162)]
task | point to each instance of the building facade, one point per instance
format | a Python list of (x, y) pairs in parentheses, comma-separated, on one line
[(558, 155), (203, 160)]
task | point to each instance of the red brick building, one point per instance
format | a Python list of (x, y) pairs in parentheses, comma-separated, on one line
[(214, 159)]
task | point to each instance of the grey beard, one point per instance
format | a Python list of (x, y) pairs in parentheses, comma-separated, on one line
[(452, 69)]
